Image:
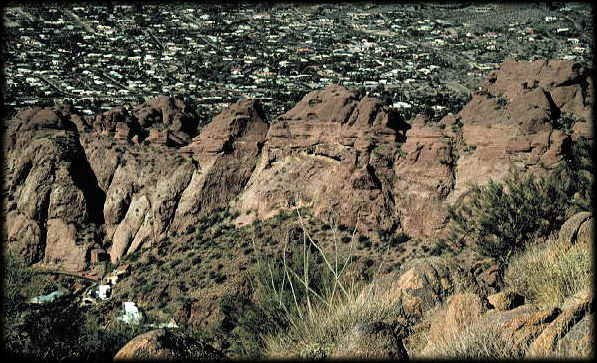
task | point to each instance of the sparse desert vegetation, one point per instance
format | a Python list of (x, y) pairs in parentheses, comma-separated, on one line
[(340, 230)]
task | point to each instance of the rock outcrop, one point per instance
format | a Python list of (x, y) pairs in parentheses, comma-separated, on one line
[(505, 300), (53, 197), (423, 283), (517, 120), (228, 150), (577, 227), (574, 310), (164, 345), (334, 152), (133, 176)]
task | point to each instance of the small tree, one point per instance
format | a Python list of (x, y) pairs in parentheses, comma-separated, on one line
[(499, 218)]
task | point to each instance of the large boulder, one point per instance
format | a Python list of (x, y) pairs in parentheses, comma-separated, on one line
[(505, 300), (489, 335), (571, 229), (67, 247), (162, 345), (371, 341), (573, 311), (461, 311)]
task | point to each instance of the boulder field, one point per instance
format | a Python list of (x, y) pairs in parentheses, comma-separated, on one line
[(134, 176)]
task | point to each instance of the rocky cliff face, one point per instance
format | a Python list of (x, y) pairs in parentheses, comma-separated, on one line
[(518, 119), (131, 177), (334, 152)]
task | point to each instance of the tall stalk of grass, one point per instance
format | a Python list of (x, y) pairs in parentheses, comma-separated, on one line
[(296, 279), (323, 304)]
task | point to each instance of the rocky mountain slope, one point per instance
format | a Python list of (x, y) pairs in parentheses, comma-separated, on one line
[(131, 177), (189, 212)]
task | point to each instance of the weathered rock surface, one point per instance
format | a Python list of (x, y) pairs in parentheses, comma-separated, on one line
[(24, 236), (573, 311), (128, 228), (66, 246), (423, 283), (579, 341), (424, 178), (169, 113), (514, 122), (521, 325), (511, 123), (371, 341), (505, 300), (570, 230), (461, 311), (227, 150), (50, 186), (334, 152), (585, 232)]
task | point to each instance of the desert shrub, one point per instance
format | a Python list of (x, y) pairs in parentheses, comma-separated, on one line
[(318, 318), (577, 173), (287, 287), (320, 332), (245, 322), (399, 239), (191, 344), (277, 304), (500, 218), (548, 273)]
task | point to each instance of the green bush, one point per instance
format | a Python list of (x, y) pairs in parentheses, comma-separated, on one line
[(500, 218), (399, 239), (244, 324), (577, 173)]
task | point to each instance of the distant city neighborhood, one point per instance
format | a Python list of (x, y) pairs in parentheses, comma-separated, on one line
[(417, 57)]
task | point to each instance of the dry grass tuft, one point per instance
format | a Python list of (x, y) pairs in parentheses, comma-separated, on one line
[(328, 317), (319, 333), (480, 340), (547, 273)]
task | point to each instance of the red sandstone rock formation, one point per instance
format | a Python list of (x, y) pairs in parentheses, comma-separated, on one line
[(348, 157), (333, 152)]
